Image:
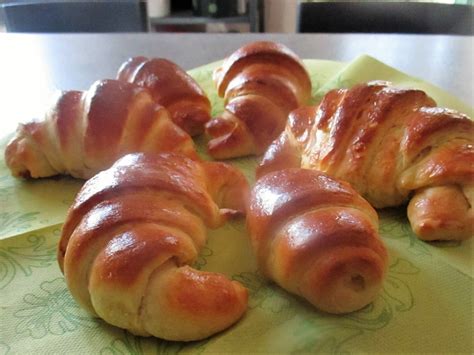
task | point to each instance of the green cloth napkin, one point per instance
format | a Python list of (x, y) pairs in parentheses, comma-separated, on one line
[(425, 306)]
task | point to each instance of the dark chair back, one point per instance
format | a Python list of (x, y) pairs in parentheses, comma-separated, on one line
[(76, 16), (385, 17)]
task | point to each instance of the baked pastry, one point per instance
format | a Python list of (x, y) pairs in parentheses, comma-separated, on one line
[(172, 88), (261, 83), (133, 232), (392, 145), (84, 132), (318, 238)]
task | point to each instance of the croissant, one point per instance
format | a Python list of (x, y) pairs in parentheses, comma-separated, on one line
[(318, 238), (84, 132), (261, 83), (172, 88), (133, 232), (392, 145)]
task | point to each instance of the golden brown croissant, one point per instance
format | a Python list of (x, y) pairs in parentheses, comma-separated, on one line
[(318, 238), (392, 145), (84, 132), (132, 233), (261, 83), (172, 88)]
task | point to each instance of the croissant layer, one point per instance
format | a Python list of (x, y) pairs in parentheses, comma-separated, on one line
[(261, 83), (393, 146), (85, 132), (172, 88), (317, 238), (131, 237)]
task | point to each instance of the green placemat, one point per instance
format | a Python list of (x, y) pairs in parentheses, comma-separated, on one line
[(426, 304)]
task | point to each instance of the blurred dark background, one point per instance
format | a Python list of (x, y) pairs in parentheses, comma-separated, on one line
[(433, 17)]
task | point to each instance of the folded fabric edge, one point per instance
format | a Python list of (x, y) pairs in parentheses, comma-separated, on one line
[(42, 230)]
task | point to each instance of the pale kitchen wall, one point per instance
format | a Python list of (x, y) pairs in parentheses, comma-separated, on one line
[(280, 15)]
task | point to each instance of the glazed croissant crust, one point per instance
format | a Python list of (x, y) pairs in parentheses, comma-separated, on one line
[(134, 231), (172, 88), (84, 132), (318, 238), (392, 145), (261, 83)]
